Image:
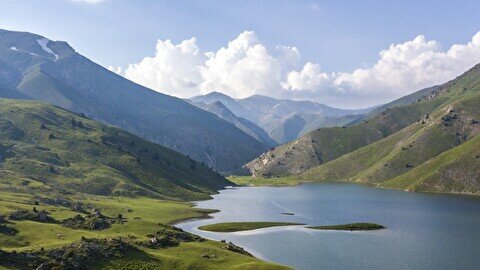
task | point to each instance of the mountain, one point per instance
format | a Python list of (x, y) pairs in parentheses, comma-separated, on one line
[(45, 149), (243, 124), (438, 152), (292, 126), (327, 144), (283, 120), (33, 67)]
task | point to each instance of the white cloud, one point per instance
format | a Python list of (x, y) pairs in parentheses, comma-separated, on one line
[(174, 70), (401, 69), (245, 67), (309, 78)]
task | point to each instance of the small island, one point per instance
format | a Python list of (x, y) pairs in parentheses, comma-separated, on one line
[(350, 227), (243, 226)]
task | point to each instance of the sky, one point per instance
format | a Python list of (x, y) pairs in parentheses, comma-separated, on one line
[(348, 54)]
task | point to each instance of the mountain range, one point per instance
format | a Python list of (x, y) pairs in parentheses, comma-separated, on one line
[(33, 67), (282, 119), (427, 141), (424, 141)]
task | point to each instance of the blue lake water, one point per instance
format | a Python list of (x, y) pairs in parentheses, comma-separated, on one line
[(424, 231)]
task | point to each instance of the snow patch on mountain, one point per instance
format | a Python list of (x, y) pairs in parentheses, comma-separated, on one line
[(43, 43)]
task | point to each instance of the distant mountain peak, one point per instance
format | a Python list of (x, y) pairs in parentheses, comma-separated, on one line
[(217, 94)]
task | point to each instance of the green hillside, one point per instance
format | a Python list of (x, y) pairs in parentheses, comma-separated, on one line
[(47, 149), (327, 144), (405, 100), (456, 170), (454, 126), (439, 153)]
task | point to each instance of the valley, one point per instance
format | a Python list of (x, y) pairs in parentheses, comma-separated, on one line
[(239, 135)]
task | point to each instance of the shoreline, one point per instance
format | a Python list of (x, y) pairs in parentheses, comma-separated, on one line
[(262, 182)]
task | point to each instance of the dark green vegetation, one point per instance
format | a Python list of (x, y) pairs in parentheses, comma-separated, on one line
[(45, 150), (243, 226), (72, 81), (350, 227), (431, 145), (5, 228)]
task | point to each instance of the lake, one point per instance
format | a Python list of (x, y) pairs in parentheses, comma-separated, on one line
[(424, 231)]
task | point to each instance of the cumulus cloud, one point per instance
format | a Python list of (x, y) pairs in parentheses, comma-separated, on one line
[(245, 67), (401, 69), (174, 70)]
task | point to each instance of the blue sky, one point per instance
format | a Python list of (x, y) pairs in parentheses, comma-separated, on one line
[(339, 36)]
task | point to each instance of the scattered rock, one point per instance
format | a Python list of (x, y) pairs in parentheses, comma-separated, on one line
[(234, 248), (207, 256), (38, 216), (84, 254), (90, 222), (4, 229), (168, 236)]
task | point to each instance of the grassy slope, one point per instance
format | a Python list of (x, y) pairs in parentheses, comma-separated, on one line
[(147, 213), (243, 226), (456, 170), (326, 144), (43, 152), (409, 156), (403, 101)]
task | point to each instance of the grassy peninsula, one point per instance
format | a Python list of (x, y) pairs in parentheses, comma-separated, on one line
[(243, 226), (350, 227)]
